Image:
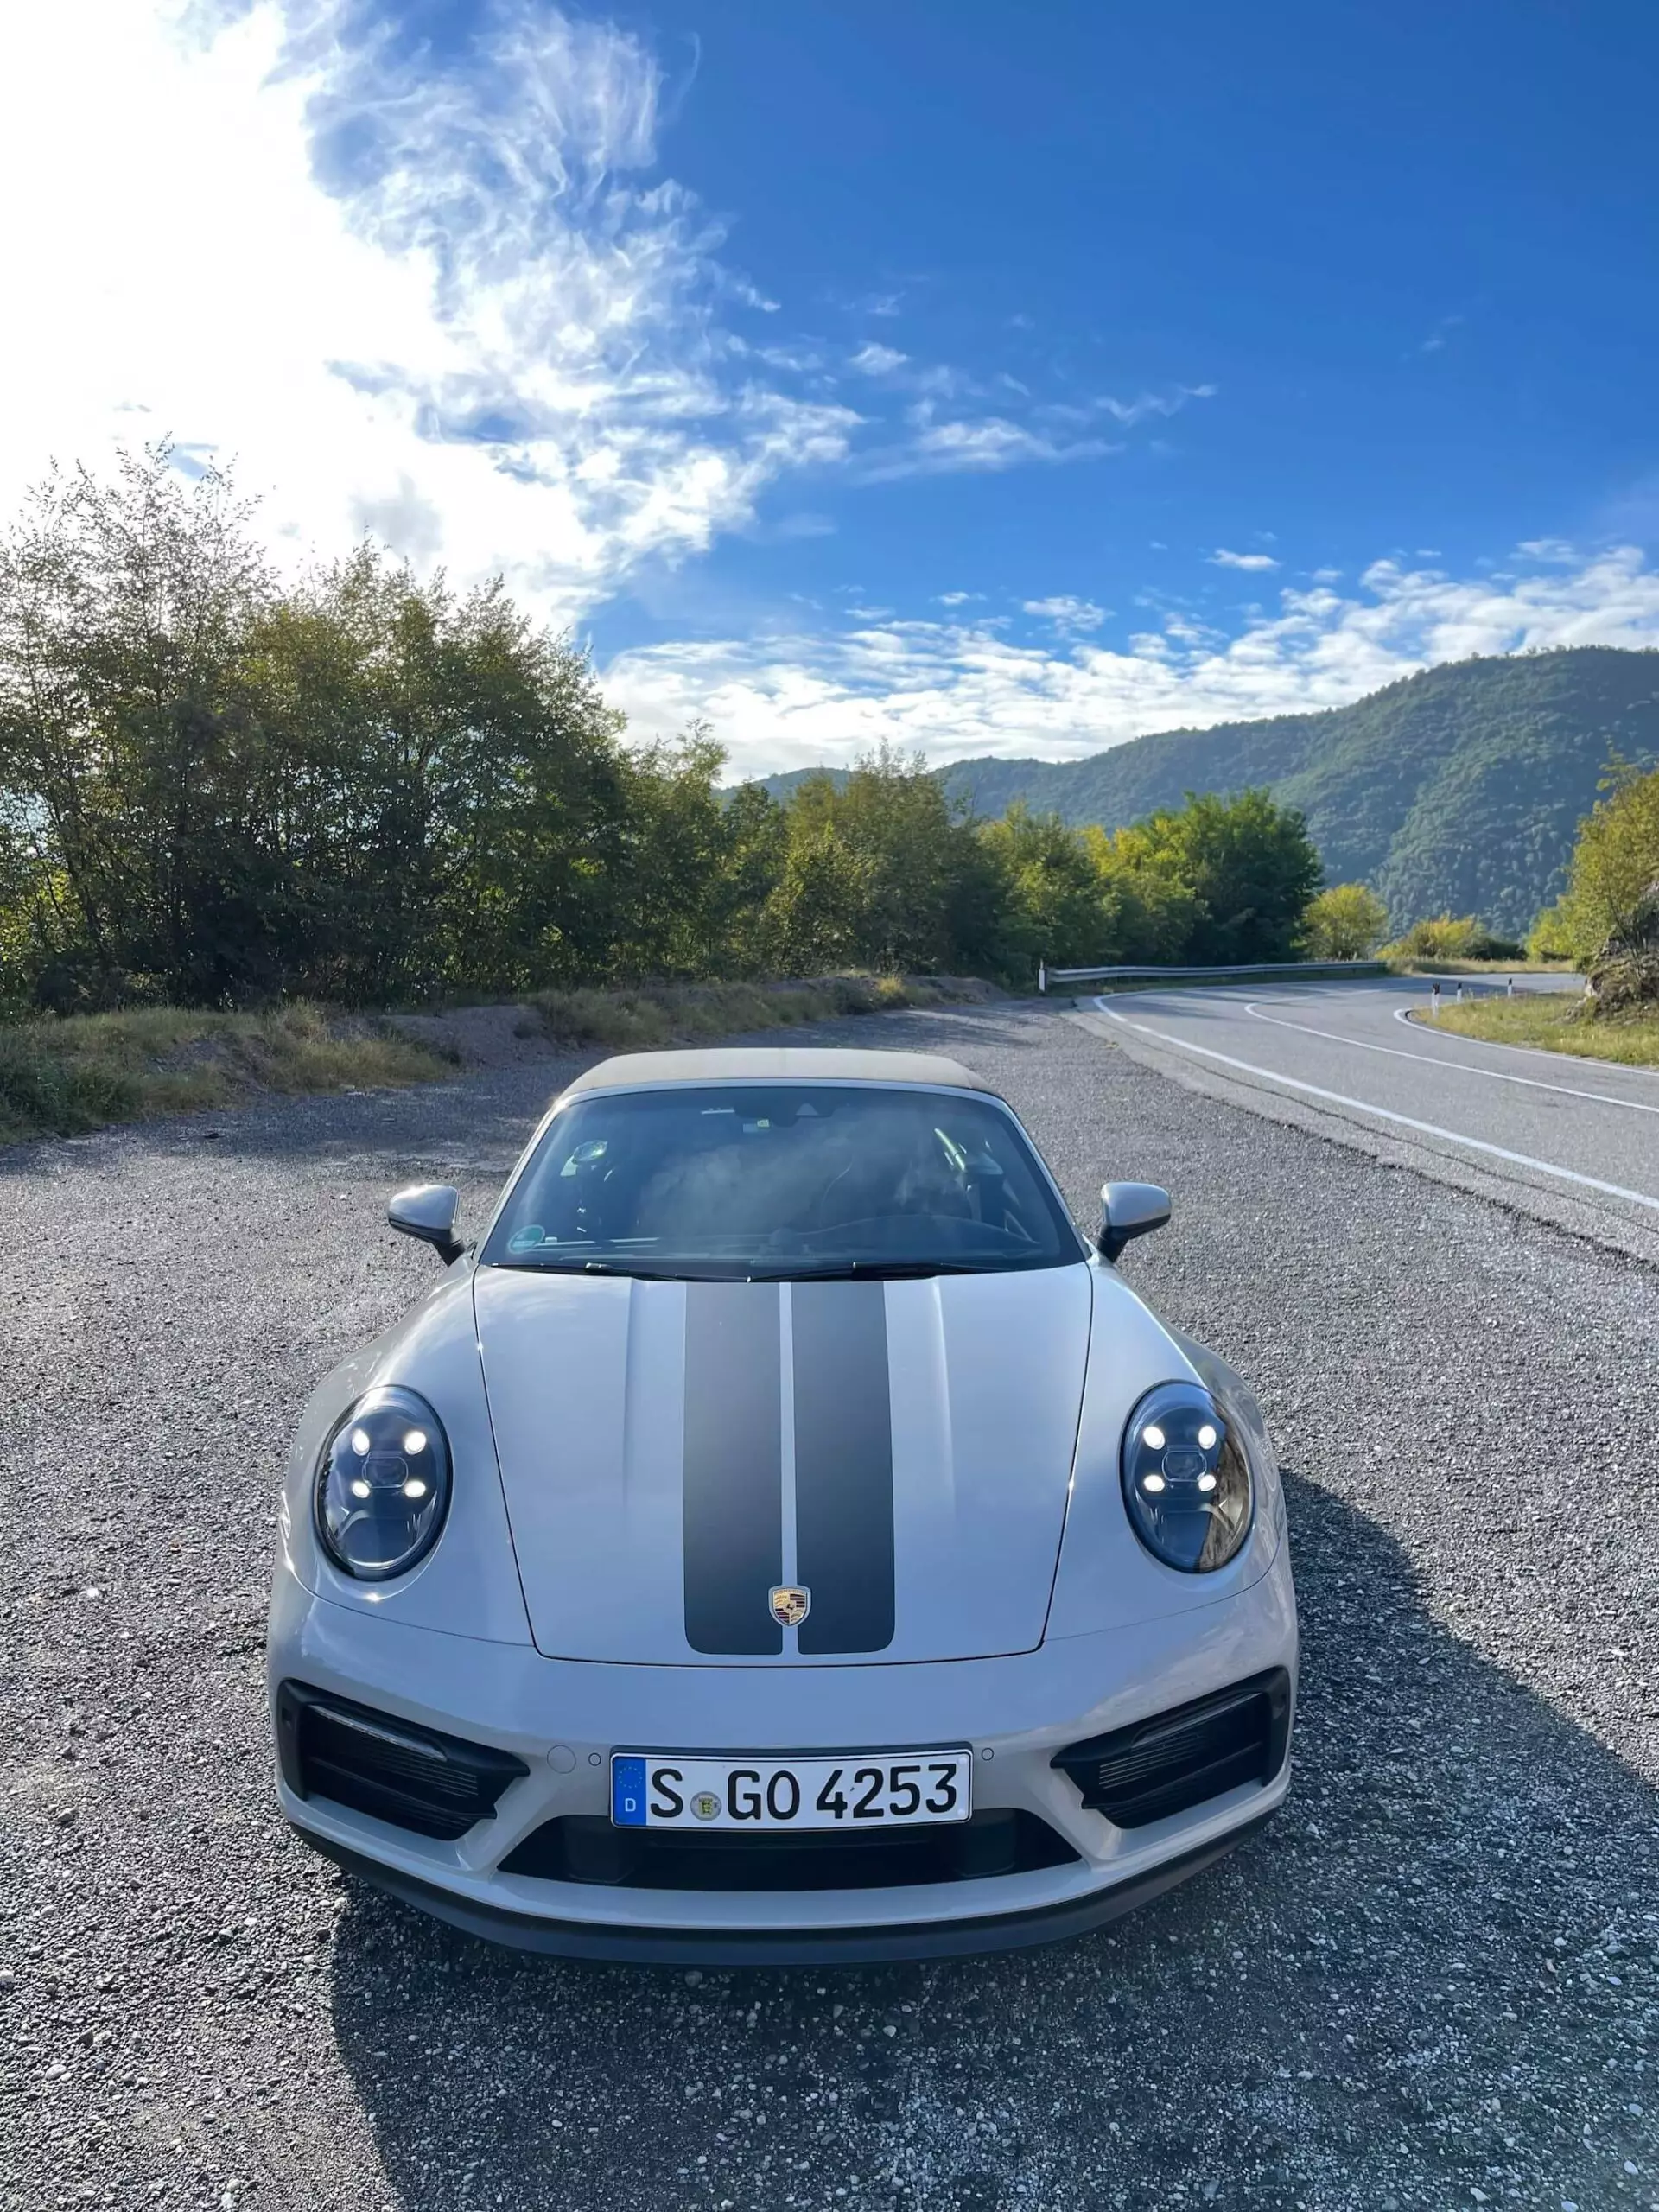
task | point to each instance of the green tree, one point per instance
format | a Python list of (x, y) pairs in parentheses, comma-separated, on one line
[(1551, 935), (1253, 869), (1347, 922), (1154, 909), (129, 770), (366, 786), (814, 919), (1214, 883), (1050, 901), (371, 788), (1615, 861), (884, 871)]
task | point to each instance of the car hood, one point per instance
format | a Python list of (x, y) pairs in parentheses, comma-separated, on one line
[(679, 1457)]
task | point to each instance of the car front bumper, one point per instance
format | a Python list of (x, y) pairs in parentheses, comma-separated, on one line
[(563, 1719)]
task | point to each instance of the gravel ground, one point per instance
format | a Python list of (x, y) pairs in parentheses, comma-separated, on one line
[(1430, 1983)]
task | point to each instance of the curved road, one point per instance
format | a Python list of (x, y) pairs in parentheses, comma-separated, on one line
[(1581, 1127)]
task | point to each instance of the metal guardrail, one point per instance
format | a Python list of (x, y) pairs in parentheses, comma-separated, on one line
[(1309, 968)]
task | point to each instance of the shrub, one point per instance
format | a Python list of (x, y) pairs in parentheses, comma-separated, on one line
[(1347, 922), (1447, 937)]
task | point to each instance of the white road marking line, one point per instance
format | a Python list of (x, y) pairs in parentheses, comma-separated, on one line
[(1461, 1067), (1384, 1113)]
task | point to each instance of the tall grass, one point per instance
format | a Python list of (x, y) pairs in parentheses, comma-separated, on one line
[(1416, 965), (62, 1078), (1554, 1021), (653, 1015)]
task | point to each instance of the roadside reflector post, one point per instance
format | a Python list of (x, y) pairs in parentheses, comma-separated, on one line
[(1042, 978)]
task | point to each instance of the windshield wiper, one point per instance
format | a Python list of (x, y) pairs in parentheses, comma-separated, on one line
[(877, 1271), (602, 1267), (837, 1271)]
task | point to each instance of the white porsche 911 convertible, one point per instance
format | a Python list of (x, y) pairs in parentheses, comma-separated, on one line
[(782, 1538)]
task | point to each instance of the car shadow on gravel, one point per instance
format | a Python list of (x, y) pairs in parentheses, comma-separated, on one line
[(1423, 1984)]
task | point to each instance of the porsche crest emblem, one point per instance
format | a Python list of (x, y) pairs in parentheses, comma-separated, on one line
[(790, 1606)]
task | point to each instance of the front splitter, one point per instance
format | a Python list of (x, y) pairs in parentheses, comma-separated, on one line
[(847, 1947)]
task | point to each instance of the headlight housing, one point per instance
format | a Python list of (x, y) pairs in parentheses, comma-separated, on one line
[(1186, 1479), (383, 1486)]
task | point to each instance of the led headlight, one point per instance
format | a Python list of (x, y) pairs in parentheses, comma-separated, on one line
[(1186, 1480), (383, 1486)]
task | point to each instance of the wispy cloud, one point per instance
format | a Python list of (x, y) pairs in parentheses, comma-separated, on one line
[(984, 444), (876, 360), (1066, 613), (451, 299), (1436, 340), (1130, 411), (1221, 558), (957, 688)]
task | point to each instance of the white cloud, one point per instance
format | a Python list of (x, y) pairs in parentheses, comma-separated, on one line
[(1066, 613), (1130, 411), (804, 525), (438, 299), (440, 292), (1435, 343), (1221, 558), (957, 598), (987, 443), (958, 688), (873, 360)]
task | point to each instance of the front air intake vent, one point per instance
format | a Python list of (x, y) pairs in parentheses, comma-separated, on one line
[(393, 1770), (578, 1847), (1178, 1759)]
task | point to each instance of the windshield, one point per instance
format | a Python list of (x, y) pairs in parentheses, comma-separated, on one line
[(783, 1180)]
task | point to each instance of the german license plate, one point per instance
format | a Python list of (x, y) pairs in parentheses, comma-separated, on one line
[(853, 1791)]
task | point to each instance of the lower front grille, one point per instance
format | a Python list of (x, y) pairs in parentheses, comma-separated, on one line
[(581, 1847), (414, 1777), (1176, 1759)]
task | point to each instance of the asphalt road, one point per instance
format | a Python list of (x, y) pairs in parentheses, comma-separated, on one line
[(1364, 1051), (1433, 1982)]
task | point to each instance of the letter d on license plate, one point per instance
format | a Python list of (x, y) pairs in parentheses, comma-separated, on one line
[(851, 1790)]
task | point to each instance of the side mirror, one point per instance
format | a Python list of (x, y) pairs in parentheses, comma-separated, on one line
[(1129, 1209), (428, 1211)]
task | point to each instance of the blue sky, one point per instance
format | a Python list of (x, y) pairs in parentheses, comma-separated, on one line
[(987, 377)]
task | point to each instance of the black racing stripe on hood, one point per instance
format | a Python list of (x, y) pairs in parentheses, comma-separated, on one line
[(734, 1503), (843, 1465)]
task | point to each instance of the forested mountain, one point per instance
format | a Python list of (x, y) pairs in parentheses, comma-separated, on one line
[(1456, 790)]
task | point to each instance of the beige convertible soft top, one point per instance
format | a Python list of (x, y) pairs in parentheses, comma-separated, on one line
[(776, 1064)]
